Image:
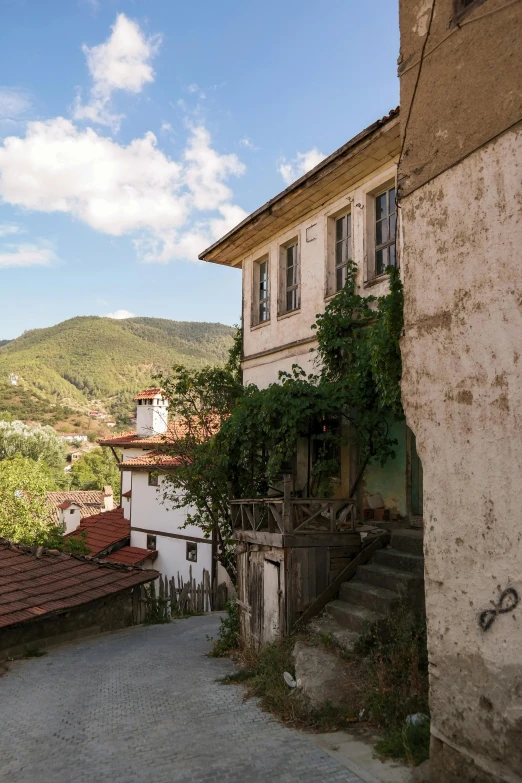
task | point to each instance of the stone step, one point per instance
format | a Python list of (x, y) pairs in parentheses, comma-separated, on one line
[(355, 618), (400, 561), (379, 599), (408, 540), (327, 626), (401, 582)]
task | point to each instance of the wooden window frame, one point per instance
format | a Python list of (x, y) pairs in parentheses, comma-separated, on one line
[(151, 542), (349, 238), (391, 241), (153, 479), (257, 301), (194, 547), (294, 288)]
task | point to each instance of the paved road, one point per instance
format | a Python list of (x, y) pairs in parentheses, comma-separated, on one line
[(143, 706)]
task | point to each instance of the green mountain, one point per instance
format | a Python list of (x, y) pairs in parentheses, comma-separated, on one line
[(91, 358)]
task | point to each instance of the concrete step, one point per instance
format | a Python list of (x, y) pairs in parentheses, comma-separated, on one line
[(327, 626), (400, 561), (408, 540), (355, 618), (401, 582), (379, 599)]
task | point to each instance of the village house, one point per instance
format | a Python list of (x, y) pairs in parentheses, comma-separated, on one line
[(107, 536), (49, 597), (294, 253), (154, 524), (69, 508), (460, 191)]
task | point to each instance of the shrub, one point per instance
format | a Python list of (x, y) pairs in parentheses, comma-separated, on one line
[(228, 634)]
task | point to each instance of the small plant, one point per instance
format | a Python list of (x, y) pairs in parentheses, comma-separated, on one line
[(228, 634), (395, 655), (158, 609), (33, 651)]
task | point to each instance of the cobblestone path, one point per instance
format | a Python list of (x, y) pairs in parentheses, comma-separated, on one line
[(143, 706)]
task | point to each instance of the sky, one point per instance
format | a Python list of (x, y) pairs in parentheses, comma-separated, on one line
[(134, 133)]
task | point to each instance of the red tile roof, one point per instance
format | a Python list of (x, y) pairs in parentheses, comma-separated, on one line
[(91, 501), (132, 555), (103, 530), (154, 459), (35, 582), (148, 394), (176, 430), (127, 494)]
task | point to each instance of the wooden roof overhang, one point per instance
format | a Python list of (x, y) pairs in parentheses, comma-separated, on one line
[(355, 160)]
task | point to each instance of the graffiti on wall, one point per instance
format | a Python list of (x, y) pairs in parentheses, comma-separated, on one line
[(508, 600)]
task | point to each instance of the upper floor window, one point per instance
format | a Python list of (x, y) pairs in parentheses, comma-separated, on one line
[(264, 295), (384, 230), (291, 272), (153, 480), (343, 248), (151, 542)]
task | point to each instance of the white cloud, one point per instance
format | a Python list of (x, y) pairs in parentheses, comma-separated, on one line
[(195, 89), (7, 229), (122, 62), (14, 103), (303, 162), (166, 127), (26, 255), (119, 190), (246, 142), (120, 315)]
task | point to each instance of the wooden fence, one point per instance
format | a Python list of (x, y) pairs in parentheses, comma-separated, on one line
[(173, 597)]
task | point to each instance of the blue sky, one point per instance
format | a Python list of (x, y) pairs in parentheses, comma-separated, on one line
[(134, 133)]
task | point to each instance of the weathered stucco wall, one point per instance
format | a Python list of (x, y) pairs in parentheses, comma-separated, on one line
[(467, 70), (462, 388)]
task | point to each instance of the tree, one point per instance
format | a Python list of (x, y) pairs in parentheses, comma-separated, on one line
[(95, 470), (201, 401), (34, 441), (24, 511)]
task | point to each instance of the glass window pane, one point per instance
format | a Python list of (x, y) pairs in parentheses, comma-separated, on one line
[(380, 206), (339, 228), (391, 262), (381, 232), (291, 253), (381, 261), (290, 276), (391, 200), (339, 253), (340, 278), (392, 225), (349, 225)]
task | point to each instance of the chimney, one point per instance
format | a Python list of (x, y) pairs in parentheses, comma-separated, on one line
[(69, 514), (108, 498), (151, 413)]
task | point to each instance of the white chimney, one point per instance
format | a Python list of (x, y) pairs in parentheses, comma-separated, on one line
[(108, 498), (69, 516), (151, 413)]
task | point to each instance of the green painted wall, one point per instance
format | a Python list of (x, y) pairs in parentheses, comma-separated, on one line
[(390, 480)]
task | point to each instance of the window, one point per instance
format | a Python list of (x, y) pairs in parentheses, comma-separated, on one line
[(384, 231), (151, 542), (261, 292), (291, 270), (343, 249), (264, 300), (153, 479), (192, 552), (461, 6)]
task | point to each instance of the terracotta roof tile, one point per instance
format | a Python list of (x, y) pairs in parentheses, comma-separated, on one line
[(131, 554), (151, 460), (148, 394), (103, 530), (36, 586), (91, 501)]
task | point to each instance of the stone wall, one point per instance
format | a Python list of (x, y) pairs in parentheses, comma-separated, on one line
[(105, 614), (462, 391)]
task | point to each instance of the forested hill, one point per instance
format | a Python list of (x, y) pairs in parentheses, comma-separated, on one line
[(91, 358)]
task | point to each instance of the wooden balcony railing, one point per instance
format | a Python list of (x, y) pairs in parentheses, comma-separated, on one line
[(291, 515)]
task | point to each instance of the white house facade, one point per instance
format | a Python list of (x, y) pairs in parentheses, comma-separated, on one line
[(154, 524)]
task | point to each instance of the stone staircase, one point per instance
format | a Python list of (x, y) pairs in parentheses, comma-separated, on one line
[(394, 573)]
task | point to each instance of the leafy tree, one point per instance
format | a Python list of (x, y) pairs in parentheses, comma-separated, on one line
[(24, 512), (202, 400), (95, 470), (33, 441)]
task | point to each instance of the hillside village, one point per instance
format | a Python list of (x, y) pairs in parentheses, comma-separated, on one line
[(290, 550)]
